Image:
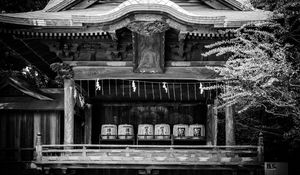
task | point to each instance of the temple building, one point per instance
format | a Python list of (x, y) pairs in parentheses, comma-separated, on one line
[(137, 96)]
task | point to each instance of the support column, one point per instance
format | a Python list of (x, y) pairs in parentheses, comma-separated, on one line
[(69, 104), (88, 124), (212, 124), (229, 125)]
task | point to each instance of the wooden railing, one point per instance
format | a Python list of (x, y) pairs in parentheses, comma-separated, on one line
[(139, 156)]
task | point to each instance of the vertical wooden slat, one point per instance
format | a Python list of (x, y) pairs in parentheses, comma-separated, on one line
[(212, 124), (88, 124), (18, 137), (215, 122), (209, 129), (69, 104), (229, 125), (3, 134), (53, 127), (3, 130), (58, 123)]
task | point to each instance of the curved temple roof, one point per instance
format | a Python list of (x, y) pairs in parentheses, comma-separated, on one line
[(58, 5), (202, 13)]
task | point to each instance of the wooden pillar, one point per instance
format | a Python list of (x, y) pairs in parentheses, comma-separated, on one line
[(260, 147), (38, 147), (88, 124), (69, 104), (229, 125), (212, 124)]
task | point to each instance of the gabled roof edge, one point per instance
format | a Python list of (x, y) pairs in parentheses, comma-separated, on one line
[(60, 5), (238, 5)]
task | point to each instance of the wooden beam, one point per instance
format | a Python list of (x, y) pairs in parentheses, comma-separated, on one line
[(69, 104), (130, 64), (229, 125), (184, 73), (88, 124)]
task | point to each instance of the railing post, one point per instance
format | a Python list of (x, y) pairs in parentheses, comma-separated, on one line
[(84, 152), (38, 147), (260, 147)]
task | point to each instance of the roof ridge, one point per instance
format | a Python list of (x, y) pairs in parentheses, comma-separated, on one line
[(59, 5)]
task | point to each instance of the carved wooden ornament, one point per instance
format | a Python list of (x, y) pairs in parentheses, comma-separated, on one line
[(148, 27), (148, 43)]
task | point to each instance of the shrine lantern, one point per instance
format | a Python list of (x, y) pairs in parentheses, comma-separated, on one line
[(125, 131), (196, 131), (162, 131), (180, 131), (109, 131), (145, 131)]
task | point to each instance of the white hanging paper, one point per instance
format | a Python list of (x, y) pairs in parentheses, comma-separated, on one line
[(98, 87)]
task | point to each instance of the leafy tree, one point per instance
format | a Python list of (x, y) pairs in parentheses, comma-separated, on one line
[(13, 6), (262, 71)]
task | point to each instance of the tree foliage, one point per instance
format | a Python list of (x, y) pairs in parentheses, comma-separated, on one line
[(257, 73), (13, 6), (263, 67)]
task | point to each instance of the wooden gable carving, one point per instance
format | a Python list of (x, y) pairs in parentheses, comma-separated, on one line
[(148, 46)]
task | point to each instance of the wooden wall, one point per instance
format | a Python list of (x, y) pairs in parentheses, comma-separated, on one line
[(18, 130)]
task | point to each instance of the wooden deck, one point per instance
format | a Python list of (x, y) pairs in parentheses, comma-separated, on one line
[(147, 156)]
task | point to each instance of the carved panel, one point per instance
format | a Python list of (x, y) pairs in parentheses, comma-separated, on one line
[(92, 50), (148, 41), (64, 50), (148, 28), (149, 53)]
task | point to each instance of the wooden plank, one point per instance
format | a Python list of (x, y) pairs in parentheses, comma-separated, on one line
[(88, 124), (18, 136), (184, 73), (58, 123), (53, 127), (3, 130), (209, 125), (100, 63), (215, 123), (69, 104), (130, 64), (229, 125), (174, 166), (194, 63)]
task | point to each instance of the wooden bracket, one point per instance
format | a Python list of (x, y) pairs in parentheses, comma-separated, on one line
[(113, 35), (182, 36)]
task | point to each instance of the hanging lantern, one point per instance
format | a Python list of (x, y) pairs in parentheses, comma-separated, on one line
[(98, 87)]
